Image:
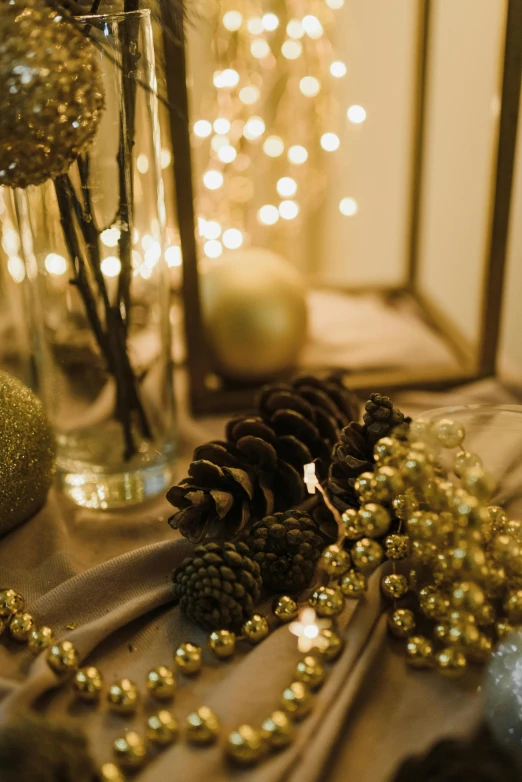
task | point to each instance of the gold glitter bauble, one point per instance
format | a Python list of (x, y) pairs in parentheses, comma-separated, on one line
[(297, 700), (327, 601), (353, 584), (285, 608), (202, 726), (109, 772), (62, 657), (401, 622), (20, 626), (162, 728), (329, 644), (10, 603), (123, 696), (188, 658), (397, 546), (394, 586), (335, 560), (222, 643), (88, 683), (278, 729), (310, 670), (52, 93), (256, 628), (27, 448), (40, 638), (161, 683), (246, 745), (450, 662), (419, 652), (130, 750)]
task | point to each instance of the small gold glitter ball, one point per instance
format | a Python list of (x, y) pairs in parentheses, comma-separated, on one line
[(354, 584), (450, 434), (88, 683), (40, 638), (130, 750), (188, 658), (62, 657), (404, 505), (394, 586), (110, 772), (419, 652), (335, 560), (327, 601), (434, 603), (310, 670), (246, 745), (513, 606), (27, 447), (222, 643), (297, 700), (162, 728), (256, 628), (451, 662), (329, 644), (375, 520), (278, 730), (401, 622), (10, 602), (367, 554), (397, 547), (20, 626), (498, 518), (352, 527), (202, 726), (161, 683), (285, 608), (123, 696)]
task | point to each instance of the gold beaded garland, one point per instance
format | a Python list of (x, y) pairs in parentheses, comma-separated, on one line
[(130, 750), (246, 745), (329, 643), (433, 603), (335, 560), (20, 626), (401, 622), (123, 696), (367, 554), (375, 520), (40, 638), (479, 483), (297, 700), (256, 628), (222, 643), (364, 486), (353, 584), (450, 434), (465, 460), (394, 586), (278, 730), (451, 663), (188, 658), (513, 606), (388, 483), (419, 652), (202, 726), (310, 670), (10, 603), (109, 772), (352, 526), (405, 505), (397, 547), (161, 683), (162, 728), (88, 683), (327, 601), (62, 657), (285, 608), (387, 449)]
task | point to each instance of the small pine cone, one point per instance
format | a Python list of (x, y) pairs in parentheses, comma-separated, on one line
[(380, 417), (218, 586), (286, 546)]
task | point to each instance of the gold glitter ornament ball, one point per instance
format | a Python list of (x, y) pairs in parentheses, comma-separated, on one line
[(51, 97), (27, 451)]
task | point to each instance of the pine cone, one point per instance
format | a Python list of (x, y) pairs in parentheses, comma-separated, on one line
[(258, 468), (218, 586), (286, 547)]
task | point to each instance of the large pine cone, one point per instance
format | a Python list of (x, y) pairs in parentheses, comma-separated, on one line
[(258, 468), (218, 586), (286, 546)]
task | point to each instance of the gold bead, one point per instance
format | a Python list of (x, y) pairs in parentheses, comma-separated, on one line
[(40, 638), (162, 728), (440, 632), (202, 726), (467, 559), (352, 524), (20, 626), (10, 603), (223, 643), (388, 484), (480, 484), (109, 772), (364, 486), (327, 601), (329, 644), (480, 651), (353, 584), (465, 460), (278, 730), (462, 633), (130, 750), (123, 696), (388, 449), (394, 586), (433, 603), (401, 622), (256, 628), (513, 605), (419, 652), (161, 683), (467, 595), (88, 683), (504, 549), (405, 505), (422, 525), (485, 615), (285, 608), (498, 519), (451, 662), (494, 580), (188, 658), (62, 657), (335, 560), (503, 628), (310, 670), (246, 746), (375, 520), (423, 552), (450, 434), (397, 547), (297, 700), (422, 431), (367, 554), (415, 468)]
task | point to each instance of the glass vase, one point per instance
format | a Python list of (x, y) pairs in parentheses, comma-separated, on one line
[(93, 243)]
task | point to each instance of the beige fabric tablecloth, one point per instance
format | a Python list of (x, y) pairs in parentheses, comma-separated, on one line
[(103, 581)]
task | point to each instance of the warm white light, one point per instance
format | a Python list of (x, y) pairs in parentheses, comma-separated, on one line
[(165, 158), (288, 210), (219, 141), (309, 86), (145, 272), (330, 142), (232, 238), (110, 237), (202, 128), (226, 79), (297, 155), (286, 187), (335, 4), (147, 242), (348, 206), (10, 240), (356, 114), (153, 254), (255, 25), (291, 49), (213, 248), (201, 225), (310, 631), (227, 154), (294, 29), (213, 179), (338, 69), (270, 22), (142, 163), (221, 125), (312, 26), (111, 266), (16, 268), (273, 146), (254, 128), (268, 214), (173, 256), (249, 95), (259, 48), (212, 230), (137, 260), (55, 264), (232, 20)]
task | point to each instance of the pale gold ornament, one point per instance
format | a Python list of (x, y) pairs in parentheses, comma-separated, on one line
[(388, 484), (256, 629), (451, 663), (130, 750), (123, 696), (10, 601), (329, 644), (367, 554), (40, 638), (352, 526), (397, 547), (246, 745), (394, 586), (62, 657), (335, 560), (88, 683), (161, 683), (401, 622), (297, 700), (450, 434), (310, 670), (162, 728), (21, 626), (202, 726), (110, 772), (223, 643), (353, 584), (513, 606), (327, 601), (364, 486), (285, 608), (375, 520), (188, 658), (278, 730), (388, 450), (419, 652), (405, 505), (465, 460)]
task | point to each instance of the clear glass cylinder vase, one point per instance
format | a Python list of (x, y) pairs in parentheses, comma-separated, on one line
[(93, 243)]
